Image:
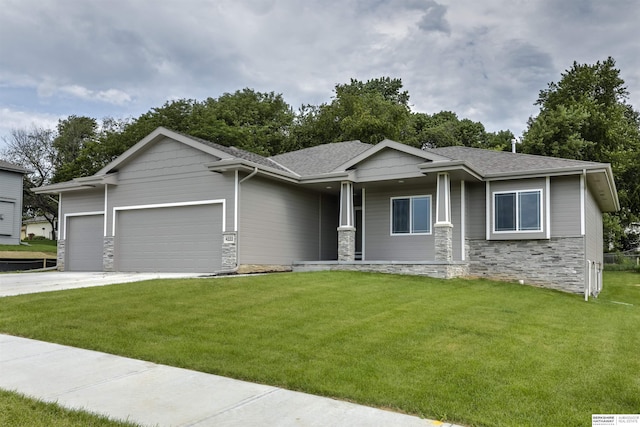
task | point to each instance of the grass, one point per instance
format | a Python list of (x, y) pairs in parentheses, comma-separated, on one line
[(473, 352), (17, 410), (33, 246)]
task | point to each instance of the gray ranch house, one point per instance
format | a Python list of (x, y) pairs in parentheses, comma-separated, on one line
[(11, 178), (178, 203)]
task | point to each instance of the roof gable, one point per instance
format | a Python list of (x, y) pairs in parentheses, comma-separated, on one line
[(220, 151), (157, 135), (388, 144)]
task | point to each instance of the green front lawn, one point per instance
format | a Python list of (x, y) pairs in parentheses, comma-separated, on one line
[(474, 352), (17, 410)]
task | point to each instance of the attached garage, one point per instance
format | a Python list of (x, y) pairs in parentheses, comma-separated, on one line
[(84, 242), (165, 238)]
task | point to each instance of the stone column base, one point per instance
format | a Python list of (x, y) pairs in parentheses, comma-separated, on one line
[(346, 243), (443, 234), (60, 255), (229, 250), (107, 254)]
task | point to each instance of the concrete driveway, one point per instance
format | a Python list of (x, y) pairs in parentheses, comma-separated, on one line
[(28, 283)]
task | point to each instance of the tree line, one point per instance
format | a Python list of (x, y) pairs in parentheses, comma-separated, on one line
[(584, 116)]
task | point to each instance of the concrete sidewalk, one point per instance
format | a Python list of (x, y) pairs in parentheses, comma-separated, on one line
[(158, 395)]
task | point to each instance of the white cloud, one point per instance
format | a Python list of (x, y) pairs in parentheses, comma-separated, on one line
[(15, 119), (111, 96)]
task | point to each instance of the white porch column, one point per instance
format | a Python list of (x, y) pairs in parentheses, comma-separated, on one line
[(443, 228), (346, 228)]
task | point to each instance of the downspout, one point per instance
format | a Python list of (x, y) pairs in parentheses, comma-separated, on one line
[(583, 231), (235, 269), (248, 177)]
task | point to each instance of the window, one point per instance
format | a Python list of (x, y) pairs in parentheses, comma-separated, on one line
[(518, 211), (411, 215)]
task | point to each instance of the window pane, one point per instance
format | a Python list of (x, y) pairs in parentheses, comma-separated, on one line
[(420, 215), (505, 214), (529, 210), (400, 212)]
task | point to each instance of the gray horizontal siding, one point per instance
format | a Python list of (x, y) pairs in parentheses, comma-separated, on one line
[(328, 228), (80, 202), (565, 206), (380, 245), (10, 186), (10, 207), (593, 219), (388, 164), (475, 210), (455, 220), (278, 224), (170, 172)]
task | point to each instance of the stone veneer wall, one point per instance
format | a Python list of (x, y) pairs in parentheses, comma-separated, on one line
[(443, 236), (107, 254), (440, 270), (60, 255), (229, 250), (558, 263), (346, 243)]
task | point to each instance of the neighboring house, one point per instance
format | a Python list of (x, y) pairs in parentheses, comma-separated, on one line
[(11, 177), (177, 203), (36, 227), (633, 228)]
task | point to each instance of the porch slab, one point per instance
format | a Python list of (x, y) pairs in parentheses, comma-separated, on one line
[(435, 269)]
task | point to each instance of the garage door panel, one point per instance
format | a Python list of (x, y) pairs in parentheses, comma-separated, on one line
[(84, 243), (173, 239)]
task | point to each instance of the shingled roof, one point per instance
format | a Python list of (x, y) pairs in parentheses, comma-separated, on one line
[(239, 153), (489, 162), (11, 167), (321, 158)]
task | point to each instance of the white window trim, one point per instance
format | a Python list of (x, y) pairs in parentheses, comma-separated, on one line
[(428, 196), (516, 231)]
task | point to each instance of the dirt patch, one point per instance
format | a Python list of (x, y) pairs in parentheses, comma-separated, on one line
[(26, 255)]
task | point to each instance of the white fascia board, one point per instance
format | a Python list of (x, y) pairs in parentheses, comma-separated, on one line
[(329, 177), (76, 184), (449, 166)]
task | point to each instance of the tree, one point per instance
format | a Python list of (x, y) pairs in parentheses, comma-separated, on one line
[(254, 121), (445, 129), (33, 149), (368, 111), (585, 116), (73, 134)]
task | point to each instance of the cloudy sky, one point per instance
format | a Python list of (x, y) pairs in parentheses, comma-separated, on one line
[(483, 59)]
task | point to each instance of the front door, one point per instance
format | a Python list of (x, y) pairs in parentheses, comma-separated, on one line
[(359, 234)]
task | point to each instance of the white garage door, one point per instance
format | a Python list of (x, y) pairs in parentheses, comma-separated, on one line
[(84, 241), (169, 239)]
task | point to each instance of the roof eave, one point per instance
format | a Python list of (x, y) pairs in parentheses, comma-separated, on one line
[(77, 184), (449, 166), (227, 165)]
